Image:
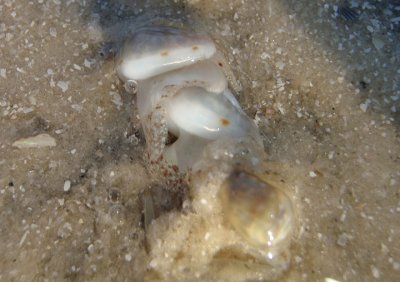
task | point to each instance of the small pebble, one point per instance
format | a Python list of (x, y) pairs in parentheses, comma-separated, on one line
[(53, 32), (128, 257), (153, 264), (328, 279), (3, 73), (63, 85), (364, 107), (312, 174), (342, 240), (375, 272), (67, 185)]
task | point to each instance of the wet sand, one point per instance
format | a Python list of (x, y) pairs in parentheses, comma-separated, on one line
[(322, 81)]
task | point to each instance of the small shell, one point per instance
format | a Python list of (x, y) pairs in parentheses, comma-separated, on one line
[(155, 50), (207, 114), (259, 211), (38, 141)]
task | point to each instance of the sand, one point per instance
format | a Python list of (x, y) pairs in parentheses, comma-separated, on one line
[(322, 83)]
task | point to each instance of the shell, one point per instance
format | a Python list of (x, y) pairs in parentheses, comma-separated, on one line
[(155, 50), (204, 114), (182, 89), (152, 92), (260, 211)]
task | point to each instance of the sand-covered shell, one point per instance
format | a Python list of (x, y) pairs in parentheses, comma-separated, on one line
[(259, 211)]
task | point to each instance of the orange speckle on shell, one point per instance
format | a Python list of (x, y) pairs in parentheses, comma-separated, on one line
[(164, 53), (195, 48), (225, 122)]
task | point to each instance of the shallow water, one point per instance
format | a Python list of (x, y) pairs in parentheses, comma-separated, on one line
[(323, 89)]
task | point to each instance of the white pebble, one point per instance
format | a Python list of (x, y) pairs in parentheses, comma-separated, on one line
[(375, 272), (153, 264), (364, 107), (53, 31), (128, 257), (61, 201), (67, 185), (3, 73), (87, 63), (264, 56), (328, 279), (312, 174), (62, 85), (90, 249)]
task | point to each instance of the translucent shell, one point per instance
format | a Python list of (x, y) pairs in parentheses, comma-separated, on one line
[(186, 151), (155, 50), (260, 212)]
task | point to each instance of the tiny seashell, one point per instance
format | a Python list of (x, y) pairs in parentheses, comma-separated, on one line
[(261, 212), (38, 141)]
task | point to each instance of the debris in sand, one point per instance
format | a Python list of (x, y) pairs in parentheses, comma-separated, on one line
[(67, 185), (38, 141)]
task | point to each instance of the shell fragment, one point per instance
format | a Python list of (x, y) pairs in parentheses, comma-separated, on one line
[(38, 141)]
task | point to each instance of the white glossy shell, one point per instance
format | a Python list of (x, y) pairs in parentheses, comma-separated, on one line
[(155, 50), (204, 114)]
